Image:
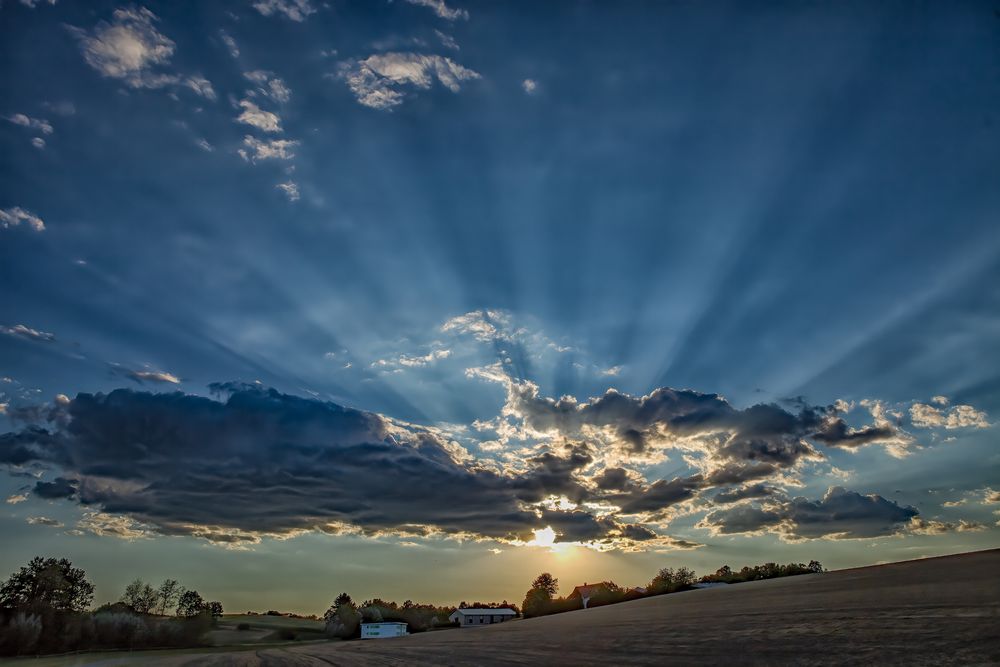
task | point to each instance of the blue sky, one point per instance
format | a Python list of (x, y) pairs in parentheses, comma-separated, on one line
[(446, 217)]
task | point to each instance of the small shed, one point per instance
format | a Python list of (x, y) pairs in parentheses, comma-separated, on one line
[(477, 616), (383, 630)]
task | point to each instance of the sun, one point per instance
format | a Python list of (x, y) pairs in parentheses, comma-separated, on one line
[(544, 537)]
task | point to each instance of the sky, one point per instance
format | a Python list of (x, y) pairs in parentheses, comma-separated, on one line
[(417, 299)]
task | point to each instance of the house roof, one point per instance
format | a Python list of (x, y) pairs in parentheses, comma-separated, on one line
[(386, 623), (481, 610)]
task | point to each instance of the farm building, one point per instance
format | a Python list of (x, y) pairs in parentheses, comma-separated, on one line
[(383, 630), (479, 616), (710, 584), (588, 591)]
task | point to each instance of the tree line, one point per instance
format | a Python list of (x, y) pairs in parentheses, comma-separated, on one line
[(344, 617), (44, 608), (541, 599)]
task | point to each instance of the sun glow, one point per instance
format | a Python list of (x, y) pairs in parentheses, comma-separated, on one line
[(546, 537)]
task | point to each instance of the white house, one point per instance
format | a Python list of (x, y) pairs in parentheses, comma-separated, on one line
[(383, 630), (475, 616)]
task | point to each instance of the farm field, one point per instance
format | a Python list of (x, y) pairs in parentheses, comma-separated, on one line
[(925, 612)]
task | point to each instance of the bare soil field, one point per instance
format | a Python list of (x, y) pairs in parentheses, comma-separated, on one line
[(927, 612)]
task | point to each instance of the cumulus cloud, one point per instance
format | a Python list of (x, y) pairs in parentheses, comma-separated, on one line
[(16, 498), (38, 143), (840, 514), (529, 86), (38, 124), (378, 81), (28, 333), (296, 10), (290, 188), (34, 3), (958, 416), (12, 217), (441, 9), (284, 464), (110, 525), (269, 85), (132, 49), (273, 149), (257, 117)]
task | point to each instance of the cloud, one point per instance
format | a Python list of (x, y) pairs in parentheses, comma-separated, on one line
[(529, 86), (291, 190), (296, 10), (205, 146), (441, 9), (109, 525), (991, 497), (38, 143), (274, 149), (614, 371), (16, 498), (269, 85), (34, 3), (12, 217), (154, 376), (261, 463), (409, 361), (840, 514), (447, 40), (257, 117), (230, 43), (958, 416), (130, 48), (377, 80), (921, 526), (201, 86), (28, 333), (44, 521), (39, 124), (487, 326)]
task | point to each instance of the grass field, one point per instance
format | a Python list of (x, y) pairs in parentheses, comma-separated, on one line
[(938, 611), (264, 629)]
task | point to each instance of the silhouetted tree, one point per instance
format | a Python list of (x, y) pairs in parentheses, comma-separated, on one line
[(190, 604), (815, 566), (47, 583), (215, 609), (140, 597), (547, 582), (167, 595)]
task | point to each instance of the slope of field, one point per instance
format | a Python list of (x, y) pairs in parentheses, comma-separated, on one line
[(927, 612)]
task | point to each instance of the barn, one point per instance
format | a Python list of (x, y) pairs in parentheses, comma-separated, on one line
[(383, 630), (477, 616)]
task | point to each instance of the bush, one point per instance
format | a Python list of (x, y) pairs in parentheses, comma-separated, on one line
[(22, 633)]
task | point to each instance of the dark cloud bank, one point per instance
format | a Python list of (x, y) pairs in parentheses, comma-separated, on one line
[(259, 462)]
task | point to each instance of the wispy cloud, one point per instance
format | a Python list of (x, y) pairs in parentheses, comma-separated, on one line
[(290, 188), (296, 10), (227, 39), (379, 80), (410, 361), (28, 333), (269, 85), (441, 9), (253, 115), (274, 149), (23, 120), (12, 217)]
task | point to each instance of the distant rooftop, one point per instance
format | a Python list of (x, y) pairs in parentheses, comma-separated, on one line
[(480, 610)]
